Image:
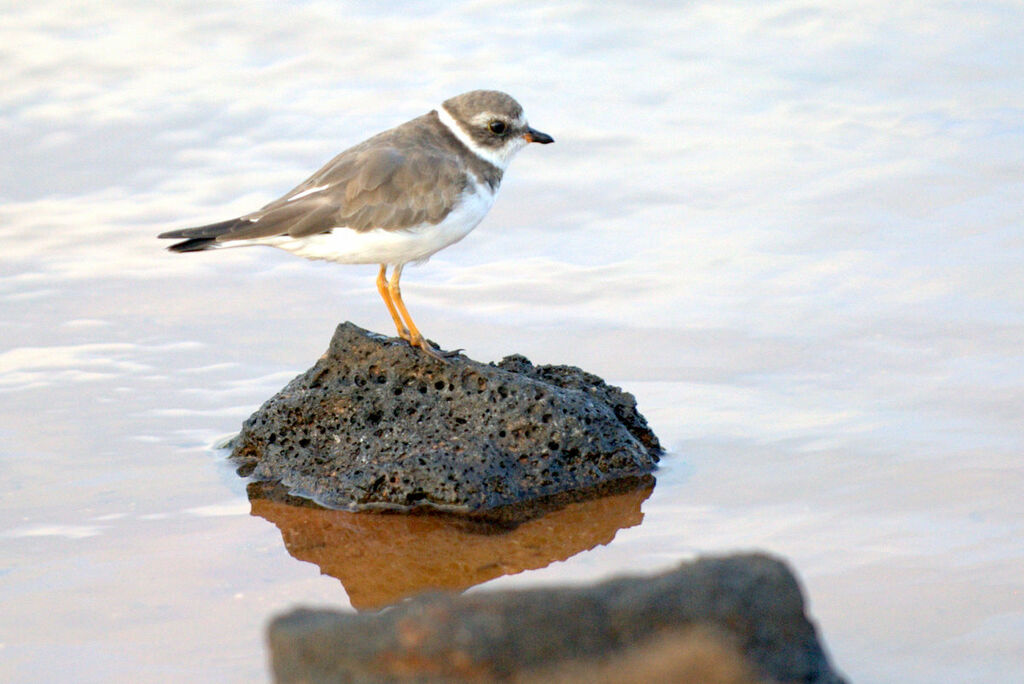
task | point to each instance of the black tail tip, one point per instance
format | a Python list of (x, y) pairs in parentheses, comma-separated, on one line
[(193, 245)]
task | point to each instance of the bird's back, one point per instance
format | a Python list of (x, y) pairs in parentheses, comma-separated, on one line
[(407, 176)]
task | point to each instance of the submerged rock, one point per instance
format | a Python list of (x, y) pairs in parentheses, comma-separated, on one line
[(376, 423), (728, 619)]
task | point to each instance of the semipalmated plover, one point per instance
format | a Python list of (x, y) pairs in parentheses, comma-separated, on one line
[(393, 199)]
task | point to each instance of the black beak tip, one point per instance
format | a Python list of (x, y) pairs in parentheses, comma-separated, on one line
[(536, 136)]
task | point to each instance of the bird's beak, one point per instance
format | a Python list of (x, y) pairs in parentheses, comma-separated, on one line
[(537, 137)]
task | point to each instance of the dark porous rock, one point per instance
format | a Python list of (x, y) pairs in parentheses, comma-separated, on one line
[(378, 424), (730, 619)]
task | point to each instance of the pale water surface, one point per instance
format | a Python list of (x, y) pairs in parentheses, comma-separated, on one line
[(792, 229)]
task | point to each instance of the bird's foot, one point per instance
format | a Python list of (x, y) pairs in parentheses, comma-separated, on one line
[(433, 352)]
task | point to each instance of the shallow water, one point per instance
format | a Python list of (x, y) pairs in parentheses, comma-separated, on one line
[(792, 230)]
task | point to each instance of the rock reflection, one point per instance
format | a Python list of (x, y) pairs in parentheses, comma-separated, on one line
[(382, 558)]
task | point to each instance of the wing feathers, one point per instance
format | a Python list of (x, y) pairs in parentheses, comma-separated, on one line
[(399, 179), (212, 230)]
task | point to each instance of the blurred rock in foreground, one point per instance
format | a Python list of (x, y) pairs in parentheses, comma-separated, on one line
[(378, 424), (725, 619)]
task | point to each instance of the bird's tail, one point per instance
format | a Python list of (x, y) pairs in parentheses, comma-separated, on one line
[(202, 237), (193, 245)]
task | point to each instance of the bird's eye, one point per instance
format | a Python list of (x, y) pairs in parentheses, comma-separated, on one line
[(496, 127)]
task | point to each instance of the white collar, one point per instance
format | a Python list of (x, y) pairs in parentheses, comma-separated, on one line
[(499, 157)]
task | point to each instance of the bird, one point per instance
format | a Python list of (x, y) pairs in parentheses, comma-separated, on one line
[(393, 199)]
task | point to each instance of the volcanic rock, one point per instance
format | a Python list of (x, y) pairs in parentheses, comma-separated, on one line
[(378, 424)]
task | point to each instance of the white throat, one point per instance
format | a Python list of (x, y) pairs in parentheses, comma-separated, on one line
[(500, 156)]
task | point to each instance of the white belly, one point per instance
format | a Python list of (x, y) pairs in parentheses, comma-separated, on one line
[(378, 246)]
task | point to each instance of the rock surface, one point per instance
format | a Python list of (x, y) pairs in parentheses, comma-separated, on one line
[(748, 605), (377, 424)]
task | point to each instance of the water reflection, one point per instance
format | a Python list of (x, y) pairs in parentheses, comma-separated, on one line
[(382, 558)]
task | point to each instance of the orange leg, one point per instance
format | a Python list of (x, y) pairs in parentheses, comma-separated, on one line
[(385, 294), (417, 339)]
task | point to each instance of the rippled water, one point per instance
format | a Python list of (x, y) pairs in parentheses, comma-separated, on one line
[(793, 230)]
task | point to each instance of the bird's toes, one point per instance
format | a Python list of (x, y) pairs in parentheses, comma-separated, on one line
[(432, 351)]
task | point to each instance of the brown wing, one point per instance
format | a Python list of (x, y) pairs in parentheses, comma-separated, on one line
[(398, 179), (373, 187)]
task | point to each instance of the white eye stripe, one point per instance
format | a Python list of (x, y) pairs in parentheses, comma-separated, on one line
[(485, 118)]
